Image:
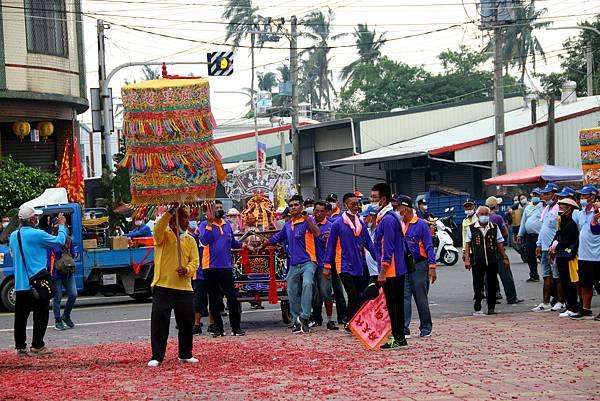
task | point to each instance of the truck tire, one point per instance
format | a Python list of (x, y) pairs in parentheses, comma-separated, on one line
[(8, 295), (141, 296), (285, 312)]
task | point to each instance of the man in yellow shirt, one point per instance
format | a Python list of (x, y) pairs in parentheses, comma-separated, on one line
[(172, 286)]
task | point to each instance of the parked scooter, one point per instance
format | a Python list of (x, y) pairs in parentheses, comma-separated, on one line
[(445, 251)]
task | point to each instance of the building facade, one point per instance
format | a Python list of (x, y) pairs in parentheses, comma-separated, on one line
[(42, 79)]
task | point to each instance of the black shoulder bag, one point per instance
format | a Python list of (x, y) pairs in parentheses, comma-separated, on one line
[(42, 286)]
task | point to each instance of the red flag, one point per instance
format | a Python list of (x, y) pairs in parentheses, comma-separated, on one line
[(64, 178), (77, 194)]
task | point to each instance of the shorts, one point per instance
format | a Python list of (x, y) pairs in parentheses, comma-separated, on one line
[(325, 286), (589, 273), (200, 298), (548, 270)]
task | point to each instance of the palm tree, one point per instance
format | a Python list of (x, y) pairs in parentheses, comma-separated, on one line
[(368, 45), (242, 17), (520, 43), (284, 72), (317, 27), (266, 82)]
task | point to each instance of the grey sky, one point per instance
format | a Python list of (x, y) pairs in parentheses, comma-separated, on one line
[(397, 18)]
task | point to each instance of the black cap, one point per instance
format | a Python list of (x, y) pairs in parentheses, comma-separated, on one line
[(308, 201), (469, 202), (332, 198), (403, 200), (422, 201)]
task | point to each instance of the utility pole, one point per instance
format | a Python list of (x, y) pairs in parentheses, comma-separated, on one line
[(550, 133), (294, 78), (107, 159), (590, 69), (253, 98), (499, 156)]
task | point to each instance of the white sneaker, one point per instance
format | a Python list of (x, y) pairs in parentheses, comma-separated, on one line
[(567, 313), (558, 306), (153, 363), (542, 308), (189, 360), (479, 313)]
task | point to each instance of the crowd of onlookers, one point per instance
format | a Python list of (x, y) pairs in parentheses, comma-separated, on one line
[(557, 229)]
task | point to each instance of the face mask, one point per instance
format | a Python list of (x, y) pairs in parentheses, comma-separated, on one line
[(4, 225), (333, 205), (193, 225), (219, 214), (535, 200), (469, 213), (424, 207), (584, 203), (484, 219), (523, 202), (374, 204), (310, 210)]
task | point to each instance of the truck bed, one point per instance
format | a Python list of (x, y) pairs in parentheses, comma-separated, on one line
[(107, 258)]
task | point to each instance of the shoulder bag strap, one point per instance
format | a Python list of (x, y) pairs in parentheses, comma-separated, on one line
[(22, 254)]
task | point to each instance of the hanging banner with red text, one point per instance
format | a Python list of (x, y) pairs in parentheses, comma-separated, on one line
[(371, 324)]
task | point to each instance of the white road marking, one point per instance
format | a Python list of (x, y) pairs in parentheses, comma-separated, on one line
[(136, 320)]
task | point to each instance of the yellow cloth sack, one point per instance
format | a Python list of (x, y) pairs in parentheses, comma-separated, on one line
[(574, 270)]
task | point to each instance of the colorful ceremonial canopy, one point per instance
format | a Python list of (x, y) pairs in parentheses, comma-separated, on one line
[(589, 140), (168, 128)]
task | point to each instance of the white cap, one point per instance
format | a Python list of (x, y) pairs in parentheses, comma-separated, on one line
[(233, 212), (26, 212)]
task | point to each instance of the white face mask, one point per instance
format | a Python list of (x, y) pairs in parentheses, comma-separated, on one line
[(470, 213), (424, 207), (333, 205), (523, 202), (5, 224)]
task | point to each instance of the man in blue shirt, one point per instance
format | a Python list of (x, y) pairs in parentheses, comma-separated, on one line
[(549, 218), (141, 230), (529, 231), (35, 244), (589, 250)]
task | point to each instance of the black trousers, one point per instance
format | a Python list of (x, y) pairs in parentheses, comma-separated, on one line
[(394, 299), (341, 308), (25, 303), (220, 282), (354, 286), (485, 277), (530, 241), (165, 300), (569, 288)]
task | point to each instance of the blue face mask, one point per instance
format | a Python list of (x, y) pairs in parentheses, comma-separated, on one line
[(484, 219), (193, 225), (535, 200), (584, 203)]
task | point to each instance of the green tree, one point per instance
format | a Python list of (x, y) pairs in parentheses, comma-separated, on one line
[(574, 62), (267, 81), (21, 183), (552, 83), (242, 17), (520, 43), (368, 45), (317, 27), (115, 190), (389, 84), (284, 73), (382, 87)]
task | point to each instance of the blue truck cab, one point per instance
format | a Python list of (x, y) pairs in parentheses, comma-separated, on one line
[(103, 270)]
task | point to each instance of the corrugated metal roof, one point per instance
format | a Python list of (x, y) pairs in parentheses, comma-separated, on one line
[(471, 134)]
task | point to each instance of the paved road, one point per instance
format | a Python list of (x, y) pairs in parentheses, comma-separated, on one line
[(120, 319)]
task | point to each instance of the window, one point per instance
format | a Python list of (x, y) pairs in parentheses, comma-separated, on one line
[(46, 24)]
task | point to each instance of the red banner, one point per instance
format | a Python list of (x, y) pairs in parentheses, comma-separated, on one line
[(371, 324)]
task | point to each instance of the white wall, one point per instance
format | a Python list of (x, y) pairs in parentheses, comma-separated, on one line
[(386, 131), (19, 78)]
